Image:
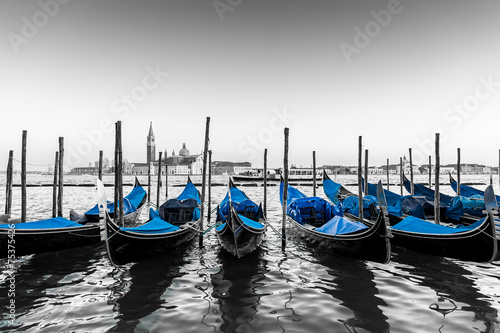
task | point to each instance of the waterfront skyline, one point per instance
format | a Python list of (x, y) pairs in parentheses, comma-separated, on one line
[(394, 72)]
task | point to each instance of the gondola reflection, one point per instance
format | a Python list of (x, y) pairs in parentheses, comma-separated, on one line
[(453, 284), (352, 283), (235, 290), (139, 288)]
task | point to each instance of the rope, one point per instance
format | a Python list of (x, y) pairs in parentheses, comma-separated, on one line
[(215, 225), (41, 165), (276, 231)]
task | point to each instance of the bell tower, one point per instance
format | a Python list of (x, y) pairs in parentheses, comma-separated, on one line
[(151, 145)]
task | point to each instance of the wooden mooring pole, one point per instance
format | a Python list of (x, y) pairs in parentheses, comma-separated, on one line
[(401, 174), (149, 180), (458, 171), (388, 183), (285, 188), (100, 164), (430, 172), (411, 173), (23, 177), (158, 186), (265, 182), (314, 173), (366, 173), (209, 185), (54, 185), (437, 203), (360, 171), (61, 178), (204, 175), (119, 171), (8, 185)]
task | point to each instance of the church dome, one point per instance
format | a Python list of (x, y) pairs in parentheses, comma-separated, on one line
[(184, 151)]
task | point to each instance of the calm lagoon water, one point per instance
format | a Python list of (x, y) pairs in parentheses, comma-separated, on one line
[(201, 289)]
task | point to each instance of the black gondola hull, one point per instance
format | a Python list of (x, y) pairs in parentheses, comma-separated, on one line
[(32, 241), (373, 244), (246, 241), (479, 244), (124, 247)]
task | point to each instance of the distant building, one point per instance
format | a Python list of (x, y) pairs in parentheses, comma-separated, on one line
[(226, 167), (84, 170)]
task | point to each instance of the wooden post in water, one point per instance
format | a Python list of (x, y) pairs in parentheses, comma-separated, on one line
[(158, 186), (204, 176), (412, 187), (115, 201), (265, 182), (388, 184), (61, 178), (285, 188), (491, 176), (149, 181), (100, 165), (54, 185), (23, 177), (437, 203), (458, 171), (8, 185), (430, 172), (209, 185), (119, 171), (314, 173), (366, 172), (360, 171), (166, 177), (401, 174)]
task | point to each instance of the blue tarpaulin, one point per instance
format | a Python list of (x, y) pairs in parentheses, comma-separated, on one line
[(414, 224), (341, 226), (391, 197), (155, 226), (56, 222), (250, 222), (190, 192), (130, 203), (302, 208), (241, 203), (332, 190)]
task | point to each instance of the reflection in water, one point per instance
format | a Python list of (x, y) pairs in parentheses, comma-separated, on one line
[(139, 287), (354, 286), (45, 285), (234, 287), (453, 285)]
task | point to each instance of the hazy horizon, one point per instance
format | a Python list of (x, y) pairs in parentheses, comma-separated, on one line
[(394, 72)]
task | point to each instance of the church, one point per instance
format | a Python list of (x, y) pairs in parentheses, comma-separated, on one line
[(181, 164)]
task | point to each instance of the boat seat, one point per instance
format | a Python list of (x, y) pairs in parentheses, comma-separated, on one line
[(312, 216)]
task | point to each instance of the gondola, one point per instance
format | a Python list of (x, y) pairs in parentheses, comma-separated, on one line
[(468, 191), (241, 223), (133, 204), (452, 209), (176, 222), (48, 235), (476, 242), (322, 223)]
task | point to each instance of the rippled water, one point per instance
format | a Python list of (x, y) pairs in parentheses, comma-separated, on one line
[(291, 289)]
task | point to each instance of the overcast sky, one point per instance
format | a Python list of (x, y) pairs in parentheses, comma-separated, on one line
[(395, 72)]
